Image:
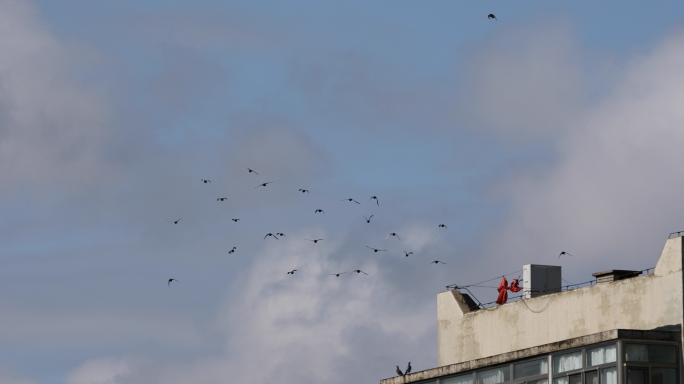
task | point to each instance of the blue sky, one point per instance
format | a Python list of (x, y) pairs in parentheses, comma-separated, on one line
[(554, 128)]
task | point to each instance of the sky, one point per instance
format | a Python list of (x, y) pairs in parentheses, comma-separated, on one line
[(556, 127)]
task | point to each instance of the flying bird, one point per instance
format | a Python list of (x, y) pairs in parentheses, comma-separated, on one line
[(408, 369), (251, 170), (376, 250), (399, 372), (393, 234), (359, 271), (436, 262), (235, 220), (336, 274), (315, 240), (368, 218), (563, 253), (350, 199), (319, 210), (491, 16), (376, 199), (205, 181), (270, 234), (281, 234), (303, 190), (292, 272), (170, 280), (222, 199), (175, 222), (232, 250), (442, 226), (408, 253), (264, 184)]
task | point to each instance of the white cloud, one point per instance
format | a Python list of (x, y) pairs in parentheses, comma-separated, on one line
[(99, 371)]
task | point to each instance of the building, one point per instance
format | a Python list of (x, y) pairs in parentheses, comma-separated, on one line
[(627, 328)]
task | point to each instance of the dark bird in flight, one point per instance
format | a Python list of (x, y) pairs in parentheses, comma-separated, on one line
[(319, 210), (491, 16), (377, 250), (292, 272), (368, 218), (442, 226), (350, 199), (359, 271), (563, 253), (175, 222), (315, 240), (399, 372), (304, 190), (232, 250), (408, 253), (376, 199), (336, 274), (270, 234), (170, 280), (251, 170), (205, 181), (436, 262), (408, 369), (222, 199), (264, 184), (281, 234), (393, 234), (235, 220)]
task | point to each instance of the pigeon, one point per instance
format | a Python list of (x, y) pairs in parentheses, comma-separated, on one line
[(232, 250), (393, 234), (350, 199), (270, 234), (263, 184), (437, 261), (408, 369), (399, 372), (281, 234), (304, 190), (376, 250), (491, 16), (319, 210), (205, 181), (359, 271), (235, 220), (376, 199), (251, 171), (336, 274), (292, 272), (442, 226), (222, 199), (563, 253), (175, 222), (314, 240), (170, 280), (368, 218), (408, 253)]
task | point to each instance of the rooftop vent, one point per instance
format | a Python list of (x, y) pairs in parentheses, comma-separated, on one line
[(541, 280), (614, 275)]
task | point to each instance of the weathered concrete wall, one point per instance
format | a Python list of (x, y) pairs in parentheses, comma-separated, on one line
[(644, 302)]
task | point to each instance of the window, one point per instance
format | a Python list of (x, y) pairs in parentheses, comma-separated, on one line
[(540, 381), (569, 362), (602, 355), (531, 368), (637, 376), (493, 376), (609, 375), (561, 380), (664, 375), (591, 377), (463, 379), (651, 353)]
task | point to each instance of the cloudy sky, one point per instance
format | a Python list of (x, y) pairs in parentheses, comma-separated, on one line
[(557, 127)]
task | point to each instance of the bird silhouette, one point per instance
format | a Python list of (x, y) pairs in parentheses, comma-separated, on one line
[(304, 190), (408, 369), (232, 250), (376, 199), (235, 220), (368, 218), (222, 199), (350, 199), (408, 253), (491, 16), (170, 280), (270, 234), (205, 181), (175, 222), (376, 250), (263, 184), (251, 170), (314, 240), (292, 272), (399, 372), (436, 262), (336, 274), (442, 226), (393, 234), (281, 234), (563, 253), (319, 210), (359, 271)]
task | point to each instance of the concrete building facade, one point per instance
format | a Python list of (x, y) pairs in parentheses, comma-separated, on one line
[(625, 329)]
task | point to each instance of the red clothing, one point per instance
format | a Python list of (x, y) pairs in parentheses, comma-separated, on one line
[(503, 290)]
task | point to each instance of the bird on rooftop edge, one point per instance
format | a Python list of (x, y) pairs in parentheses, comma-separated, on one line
[(399, 372), (408, 369)]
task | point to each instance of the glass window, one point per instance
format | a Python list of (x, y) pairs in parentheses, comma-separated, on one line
[(651, 353), (493, 376), (591, 377), (609, 376), (664, 375), (531, 368), (561, 380), (602, 355), (569, 362), (575, 379), (637, 376), (463, 379), (540, 381)]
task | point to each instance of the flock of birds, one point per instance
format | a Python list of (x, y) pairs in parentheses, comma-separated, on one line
[(279, 235)]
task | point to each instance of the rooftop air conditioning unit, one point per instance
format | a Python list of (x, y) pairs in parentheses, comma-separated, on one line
[(541, 280)]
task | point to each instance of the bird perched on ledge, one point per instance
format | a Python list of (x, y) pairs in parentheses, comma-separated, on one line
[(408, 369), (399, 372)]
